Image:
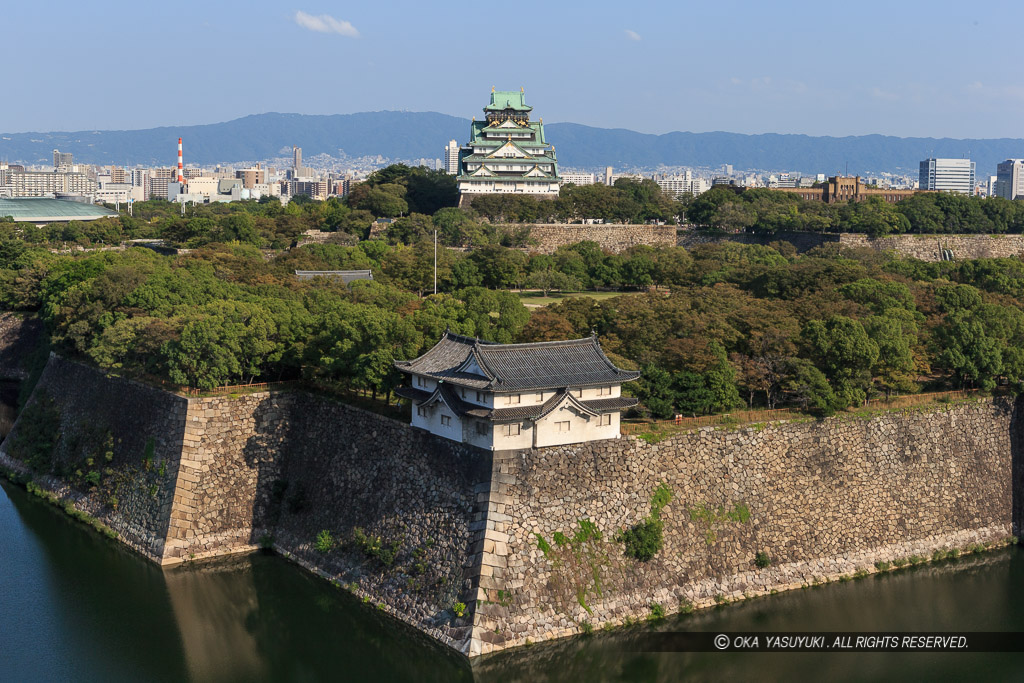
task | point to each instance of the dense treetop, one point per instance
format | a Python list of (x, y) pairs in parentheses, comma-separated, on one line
[(728, 325), (769, 211), (713, 328)]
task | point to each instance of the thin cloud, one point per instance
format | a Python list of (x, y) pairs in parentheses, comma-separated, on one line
[(325, 23), (633, 35), (880, 94)]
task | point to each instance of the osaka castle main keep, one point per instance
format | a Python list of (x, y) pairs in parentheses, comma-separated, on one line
[(507, 152), (511, 396)]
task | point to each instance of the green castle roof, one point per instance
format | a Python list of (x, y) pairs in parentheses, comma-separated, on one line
[(477, 133), (508, 99)]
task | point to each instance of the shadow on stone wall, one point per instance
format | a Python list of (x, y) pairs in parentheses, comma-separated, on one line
[(116, 449), (263, 453), (397, 504), (19, 339), (1017, 465)]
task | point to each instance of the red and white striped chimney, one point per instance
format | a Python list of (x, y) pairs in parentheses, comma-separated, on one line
[(181, 172)]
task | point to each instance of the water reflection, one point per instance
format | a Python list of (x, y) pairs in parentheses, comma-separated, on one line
[(213, 605), (75, 601), (977, 593), (75, 606)]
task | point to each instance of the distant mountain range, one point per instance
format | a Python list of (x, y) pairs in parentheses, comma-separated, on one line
[(412, 135)]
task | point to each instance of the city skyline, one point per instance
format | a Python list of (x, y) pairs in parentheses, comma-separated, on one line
[(770, 68)]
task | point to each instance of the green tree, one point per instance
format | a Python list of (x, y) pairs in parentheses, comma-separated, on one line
[(842, 347)]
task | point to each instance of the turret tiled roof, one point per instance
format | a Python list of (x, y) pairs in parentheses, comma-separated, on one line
[(508, 99), (515, 367), (447, 393)]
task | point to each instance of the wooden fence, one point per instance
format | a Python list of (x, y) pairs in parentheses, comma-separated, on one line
[(681, 423), (238, 388)]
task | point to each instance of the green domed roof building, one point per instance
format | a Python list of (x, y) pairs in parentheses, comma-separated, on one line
[(507, 152)]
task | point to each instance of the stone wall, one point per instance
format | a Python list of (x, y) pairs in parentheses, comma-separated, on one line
[(417, 524), (417, 498), (824, 499), (612, 237), (803, 241), (924, 247), (205, 477), (19, 338), (230, 453), (930, 247), (145, 426)]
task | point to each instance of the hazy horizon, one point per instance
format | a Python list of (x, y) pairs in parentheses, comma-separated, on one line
[(467, 118)]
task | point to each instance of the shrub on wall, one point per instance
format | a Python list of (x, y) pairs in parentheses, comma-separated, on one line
[(643, 540), (34, 442), (324, 541)]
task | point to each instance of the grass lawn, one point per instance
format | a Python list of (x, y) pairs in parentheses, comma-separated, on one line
[(536, 298)]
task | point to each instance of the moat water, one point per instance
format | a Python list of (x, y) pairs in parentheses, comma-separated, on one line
[(76, 606)]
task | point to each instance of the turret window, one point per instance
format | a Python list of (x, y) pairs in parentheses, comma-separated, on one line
[(446, 420)]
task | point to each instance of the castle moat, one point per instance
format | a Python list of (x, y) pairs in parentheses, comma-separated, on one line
[(77, 606)]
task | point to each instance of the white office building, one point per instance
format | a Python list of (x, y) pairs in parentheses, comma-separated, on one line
[(577, 178), (1010, 179), (683, 184), (947, 175), (451, 157)]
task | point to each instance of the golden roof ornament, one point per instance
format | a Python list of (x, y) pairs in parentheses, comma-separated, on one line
[(492, 88)]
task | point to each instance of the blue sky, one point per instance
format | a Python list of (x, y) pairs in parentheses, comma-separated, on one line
[(937, 69)]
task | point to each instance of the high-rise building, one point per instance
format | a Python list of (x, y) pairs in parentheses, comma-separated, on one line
[(61, 158), (42, 183), (252, 176), (118, 175), (297, 170), (314, 189), (158, 180), (608, 175), (683, 184), (507, 152), (947, 175), (451, 158), (140, 178), (1010, 179)]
